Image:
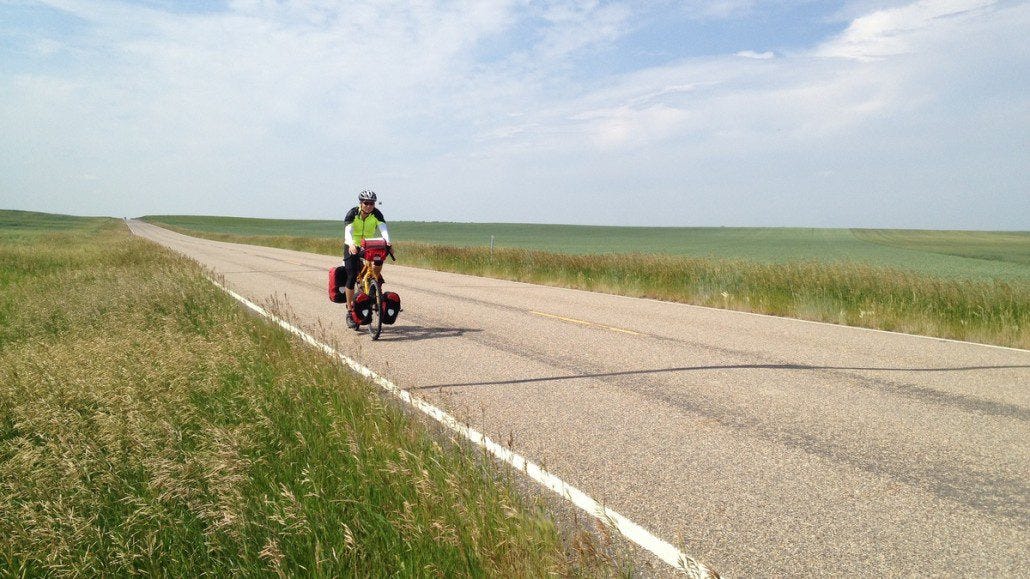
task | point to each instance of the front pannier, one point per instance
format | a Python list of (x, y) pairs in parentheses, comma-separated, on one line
[(362, 312), (337, 277), (391, 307)]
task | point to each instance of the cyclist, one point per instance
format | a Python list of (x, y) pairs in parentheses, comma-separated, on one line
[(361, 222)]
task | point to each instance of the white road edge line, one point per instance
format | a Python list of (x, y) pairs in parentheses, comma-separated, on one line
[(627, 528)]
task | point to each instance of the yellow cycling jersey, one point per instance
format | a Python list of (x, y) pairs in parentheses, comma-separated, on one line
[(363, 228)]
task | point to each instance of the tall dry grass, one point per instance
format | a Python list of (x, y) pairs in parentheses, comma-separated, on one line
[(148, 425), (995, 312)]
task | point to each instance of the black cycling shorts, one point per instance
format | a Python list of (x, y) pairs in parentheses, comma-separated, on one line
[(353, 264)]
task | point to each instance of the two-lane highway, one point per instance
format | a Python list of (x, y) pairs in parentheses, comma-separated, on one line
[(759, 445)]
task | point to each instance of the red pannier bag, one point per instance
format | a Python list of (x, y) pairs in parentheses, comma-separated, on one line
[(391, 304), (374, 249), (362, 312), (337, 277)]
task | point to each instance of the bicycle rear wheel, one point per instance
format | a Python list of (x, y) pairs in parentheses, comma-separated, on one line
[(375, 327)]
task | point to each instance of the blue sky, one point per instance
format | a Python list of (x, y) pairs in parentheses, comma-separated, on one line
[(864, 113)]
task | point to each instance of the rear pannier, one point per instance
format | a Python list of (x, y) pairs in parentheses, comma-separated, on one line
[(337, 277), (362, 312), (391, 307)]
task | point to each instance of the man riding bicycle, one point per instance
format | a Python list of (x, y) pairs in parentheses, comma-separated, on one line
[(361, 222)]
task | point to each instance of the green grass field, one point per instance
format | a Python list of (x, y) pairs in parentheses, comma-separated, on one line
[(891, 280), (952, 254), (150, 425)]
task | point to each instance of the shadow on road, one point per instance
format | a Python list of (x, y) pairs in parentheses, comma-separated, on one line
[(417, 333), (723, 367)]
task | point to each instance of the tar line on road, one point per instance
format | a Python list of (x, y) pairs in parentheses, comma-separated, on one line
[(584, 323), (627, 528)]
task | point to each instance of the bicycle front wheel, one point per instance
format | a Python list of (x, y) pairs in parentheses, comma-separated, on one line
[(375, 327)]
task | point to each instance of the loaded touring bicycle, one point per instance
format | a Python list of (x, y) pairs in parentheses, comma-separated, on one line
[(373, 307)]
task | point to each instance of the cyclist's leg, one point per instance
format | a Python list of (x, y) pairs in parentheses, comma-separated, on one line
[(352, 264)]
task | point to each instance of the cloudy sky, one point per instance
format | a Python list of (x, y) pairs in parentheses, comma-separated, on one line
[(848, 113)]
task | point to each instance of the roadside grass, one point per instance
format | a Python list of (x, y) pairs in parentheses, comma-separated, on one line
[(149, 425), (995, 311)]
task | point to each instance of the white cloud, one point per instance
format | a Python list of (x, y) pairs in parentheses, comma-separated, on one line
[(714, 10), (901, 30), (575, 26), (718, 8), (894, 130), (802, 95), (756, 55), (632, 126)]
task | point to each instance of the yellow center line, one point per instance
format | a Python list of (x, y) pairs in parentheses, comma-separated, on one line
[(585, 323), (573, 320), (623, 330)]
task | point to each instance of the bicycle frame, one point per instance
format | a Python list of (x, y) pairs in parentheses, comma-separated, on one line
[(373, 254), (369, 271)]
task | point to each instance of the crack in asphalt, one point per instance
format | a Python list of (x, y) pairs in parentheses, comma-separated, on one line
[(981, 491)]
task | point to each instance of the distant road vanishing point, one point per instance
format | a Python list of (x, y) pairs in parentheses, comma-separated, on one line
[(758, 445)]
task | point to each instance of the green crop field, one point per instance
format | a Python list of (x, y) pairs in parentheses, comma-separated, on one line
[(952, 254)]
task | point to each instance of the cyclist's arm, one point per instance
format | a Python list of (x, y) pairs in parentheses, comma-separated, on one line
[(348, 232), (348, 235), (384, 232)]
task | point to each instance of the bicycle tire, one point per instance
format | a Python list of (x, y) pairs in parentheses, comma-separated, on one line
[(359, 285), (375, 328)]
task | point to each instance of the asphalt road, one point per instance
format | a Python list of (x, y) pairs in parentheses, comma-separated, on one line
[(758, 445)]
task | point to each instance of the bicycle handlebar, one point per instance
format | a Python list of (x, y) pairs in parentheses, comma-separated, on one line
[(389, 251)]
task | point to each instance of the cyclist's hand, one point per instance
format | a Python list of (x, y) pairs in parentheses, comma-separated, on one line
[(354, 250)]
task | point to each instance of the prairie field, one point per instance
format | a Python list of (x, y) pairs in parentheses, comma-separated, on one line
[(972, 286), (149, 425), (952, 254)]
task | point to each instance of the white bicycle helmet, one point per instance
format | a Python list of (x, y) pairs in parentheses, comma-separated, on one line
[(367, 195)]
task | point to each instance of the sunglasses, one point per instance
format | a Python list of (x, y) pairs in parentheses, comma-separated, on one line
[(368, 202)]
